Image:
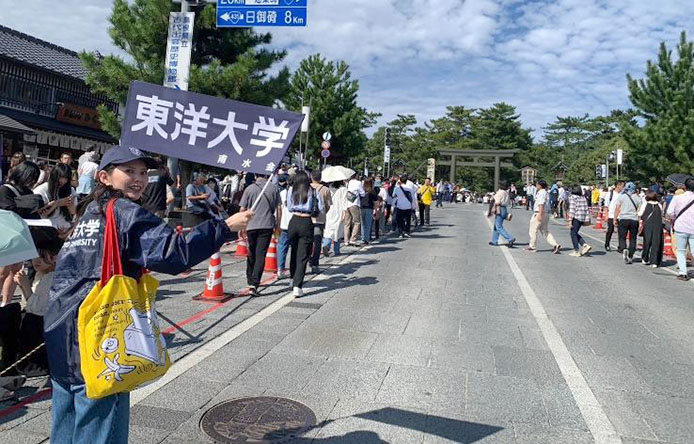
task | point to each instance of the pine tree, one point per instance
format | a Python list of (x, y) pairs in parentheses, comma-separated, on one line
[(224, 62), (664, 100), (332, 94)]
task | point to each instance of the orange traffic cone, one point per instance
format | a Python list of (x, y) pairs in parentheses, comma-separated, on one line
[(668, 251), (241, 248), (598, 221), (214, 288), (271, 256)]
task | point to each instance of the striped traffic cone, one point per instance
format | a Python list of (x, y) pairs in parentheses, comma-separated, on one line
[(598, 221), (241, 248), (668, 251), (271, 256), (214, 288)]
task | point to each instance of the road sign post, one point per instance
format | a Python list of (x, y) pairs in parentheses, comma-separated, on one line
[(248, 13)]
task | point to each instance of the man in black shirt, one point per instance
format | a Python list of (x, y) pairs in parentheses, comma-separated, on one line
[(154, 197)]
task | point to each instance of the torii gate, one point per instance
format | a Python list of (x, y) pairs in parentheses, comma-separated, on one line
[(477, 156)]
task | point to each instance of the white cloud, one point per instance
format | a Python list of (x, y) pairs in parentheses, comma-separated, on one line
[(547, 57)]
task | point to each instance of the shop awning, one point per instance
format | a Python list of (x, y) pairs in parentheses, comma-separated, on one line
[(9, 124), (48, 123)]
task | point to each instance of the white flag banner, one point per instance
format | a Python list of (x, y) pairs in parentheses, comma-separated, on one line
[(178, 47)]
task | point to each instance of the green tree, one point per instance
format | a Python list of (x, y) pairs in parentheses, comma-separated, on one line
[(225, 62), (664, 101), (332, 93)]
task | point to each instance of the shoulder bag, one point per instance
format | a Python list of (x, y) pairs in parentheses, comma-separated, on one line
[(120, 343)]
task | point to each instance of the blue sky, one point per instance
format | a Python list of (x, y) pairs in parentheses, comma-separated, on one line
[(548, 58)]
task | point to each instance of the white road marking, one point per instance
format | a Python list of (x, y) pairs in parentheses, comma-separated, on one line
[(206, 350), (598, 423)]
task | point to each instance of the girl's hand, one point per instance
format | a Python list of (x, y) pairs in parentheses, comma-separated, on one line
[(239, 221)]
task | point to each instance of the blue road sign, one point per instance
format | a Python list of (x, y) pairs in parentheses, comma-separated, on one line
[(263, 3), (248, 13), (325, 154)]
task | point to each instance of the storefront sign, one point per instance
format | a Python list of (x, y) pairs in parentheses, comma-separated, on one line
[(79, 115)]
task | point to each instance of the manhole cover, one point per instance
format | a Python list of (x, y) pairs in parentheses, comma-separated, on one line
[(257, 420)]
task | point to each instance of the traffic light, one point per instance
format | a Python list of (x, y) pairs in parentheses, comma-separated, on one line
[(387, 136), (598, 170)]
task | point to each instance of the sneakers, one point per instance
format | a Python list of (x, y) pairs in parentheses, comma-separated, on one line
[(326, 251), (625, 256), (531, 249), (575, 254), (253, 292), (298, 292), (646, 263), (556, 249), (315, 269), (493, 244), (282, 274), (654, 265), (682, 277), (608, 248), (585, 249), (511, 243), (407, 235)]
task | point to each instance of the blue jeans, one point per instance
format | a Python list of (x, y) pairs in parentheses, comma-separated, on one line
[(336, 245), (367, 221), (80, 420), (499, 227), (282, 250), (682, 240), (576, 239)]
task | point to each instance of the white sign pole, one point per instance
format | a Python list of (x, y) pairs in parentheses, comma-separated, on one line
[(177, 63)]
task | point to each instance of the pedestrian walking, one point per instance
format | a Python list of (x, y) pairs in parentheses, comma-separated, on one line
[(266, 222), (304, 203), (627, 215), (355, 191), (513, 192), (530, 192), (426, 192), (283, 241), (403, 201), (611, 203), (144, 241), (539, 222), (682, 219), (320, 220), (651, 213), (334, 221), (579, 216), (499, 210), (368, 207), (440, 189)]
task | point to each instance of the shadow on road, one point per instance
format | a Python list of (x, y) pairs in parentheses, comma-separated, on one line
[(455, 430)]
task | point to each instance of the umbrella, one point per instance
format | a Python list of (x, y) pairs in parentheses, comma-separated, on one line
[(678, 179), (336, 174), (16, 244)]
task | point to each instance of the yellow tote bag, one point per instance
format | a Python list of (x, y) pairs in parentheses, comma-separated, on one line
[(120, 342)]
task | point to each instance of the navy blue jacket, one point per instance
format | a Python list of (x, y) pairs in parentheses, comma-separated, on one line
[(145, 242)]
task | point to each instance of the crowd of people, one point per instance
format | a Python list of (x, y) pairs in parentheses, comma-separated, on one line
[(649, 213), (309, 215)]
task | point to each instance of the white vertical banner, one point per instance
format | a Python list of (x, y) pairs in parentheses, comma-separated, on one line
[(178, 48), (306, 111), (386, 154), (620, 156)]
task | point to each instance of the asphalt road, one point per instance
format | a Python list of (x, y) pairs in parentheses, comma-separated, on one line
[(443, 338)]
